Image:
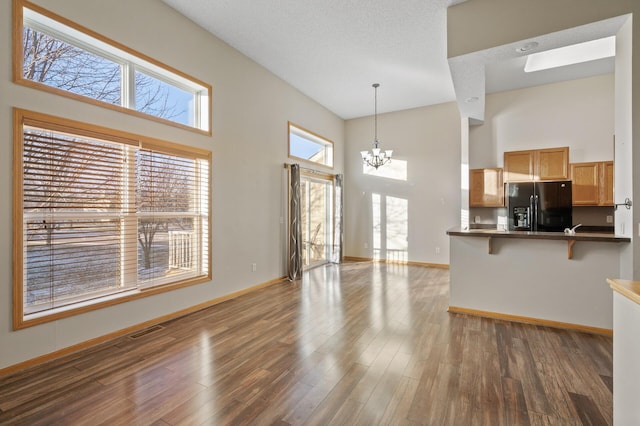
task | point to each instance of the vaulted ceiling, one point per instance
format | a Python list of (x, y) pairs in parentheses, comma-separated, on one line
[(334, 50)]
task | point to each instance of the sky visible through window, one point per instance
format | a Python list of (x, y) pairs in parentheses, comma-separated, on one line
[(304, 148), (64, 58), (160, 99)]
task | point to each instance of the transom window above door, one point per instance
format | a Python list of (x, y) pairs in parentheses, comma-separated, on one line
[(309, 147)]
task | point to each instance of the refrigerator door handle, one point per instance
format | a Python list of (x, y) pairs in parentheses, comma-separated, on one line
[(532, 214), (535, 214)]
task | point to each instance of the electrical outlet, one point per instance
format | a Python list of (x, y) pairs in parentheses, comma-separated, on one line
[(254, 267), (437, 250), (609, 219), (366, 245), (477, 219)]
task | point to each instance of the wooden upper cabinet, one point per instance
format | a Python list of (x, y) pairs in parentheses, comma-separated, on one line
[(518, 166), (537, 164), (592, 183), (552, 164), (486, 188), (606, 183), (584, 188)]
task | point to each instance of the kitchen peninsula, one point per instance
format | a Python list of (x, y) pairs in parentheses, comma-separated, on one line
[(549, 278)]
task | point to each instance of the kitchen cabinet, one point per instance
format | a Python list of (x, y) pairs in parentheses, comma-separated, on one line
[(518, 166), (585, 178), (606, 183), (592, 183), (486, 188), (536, 164)]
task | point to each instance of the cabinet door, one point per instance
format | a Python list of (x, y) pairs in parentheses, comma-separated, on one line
[(552, 164), (606, 183), (518, 166), (585, 188), (476, 187), (486, 188)]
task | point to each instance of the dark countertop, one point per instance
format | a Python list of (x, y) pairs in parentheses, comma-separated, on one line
[(578, 236)]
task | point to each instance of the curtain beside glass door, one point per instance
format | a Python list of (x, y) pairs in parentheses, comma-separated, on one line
[(315, 219), (295, 245)]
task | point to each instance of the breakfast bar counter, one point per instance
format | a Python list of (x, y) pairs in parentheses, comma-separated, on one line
[(578, 236), (571, 238), (549, 278)]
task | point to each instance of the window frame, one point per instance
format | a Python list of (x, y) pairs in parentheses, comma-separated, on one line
[(130, 61), (23, 118), (313, 137)]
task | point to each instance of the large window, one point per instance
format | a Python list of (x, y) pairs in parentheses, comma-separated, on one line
[(309, 147), (54, 54), (103, 216)]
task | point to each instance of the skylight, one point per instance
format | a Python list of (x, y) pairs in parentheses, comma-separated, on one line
[(574, 54)]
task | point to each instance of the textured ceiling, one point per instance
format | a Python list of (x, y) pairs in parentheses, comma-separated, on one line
[(334, 50)]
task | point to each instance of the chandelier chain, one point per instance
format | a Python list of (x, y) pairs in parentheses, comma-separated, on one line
[(375, 112), (376, 157)]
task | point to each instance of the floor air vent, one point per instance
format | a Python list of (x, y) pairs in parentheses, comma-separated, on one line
[(146, 331)]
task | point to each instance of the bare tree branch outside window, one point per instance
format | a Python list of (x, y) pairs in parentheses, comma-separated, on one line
[(64, 174), (74, 193), (64, 66), (163, 184), (61, 65)]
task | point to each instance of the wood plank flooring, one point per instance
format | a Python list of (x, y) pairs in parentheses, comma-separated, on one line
[(360, 343)]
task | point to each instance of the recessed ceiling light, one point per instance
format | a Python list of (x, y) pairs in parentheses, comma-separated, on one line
[(527, 47), (574, 54)]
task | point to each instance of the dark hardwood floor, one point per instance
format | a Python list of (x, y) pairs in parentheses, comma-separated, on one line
[(361, 343)]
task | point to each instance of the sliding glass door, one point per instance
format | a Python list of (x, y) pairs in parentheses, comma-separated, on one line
[(316, 200)]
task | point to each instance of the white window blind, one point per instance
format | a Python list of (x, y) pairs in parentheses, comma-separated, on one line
[(103, 217)]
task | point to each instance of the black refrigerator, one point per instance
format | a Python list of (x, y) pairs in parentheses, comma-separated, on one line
[(539, 206)]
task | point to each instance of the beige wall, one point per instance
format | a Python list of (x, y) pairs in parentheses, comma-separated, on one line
[(476, 25), (427, 141), (251, 108), (578, 114)]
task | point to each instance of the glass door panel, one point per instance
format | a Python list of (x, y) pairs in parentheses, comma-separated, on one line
[(316, 197)]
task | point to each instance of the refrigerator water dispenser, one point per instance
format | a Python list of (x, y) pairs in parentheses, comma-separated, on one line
[(521, 217)]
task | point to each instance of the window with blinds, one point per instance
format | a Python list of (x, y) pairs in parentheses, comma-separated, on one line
[(105, 216)]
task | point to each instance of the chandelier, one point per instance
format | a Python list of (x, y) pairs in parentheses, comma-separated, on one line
[(376, 157)]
